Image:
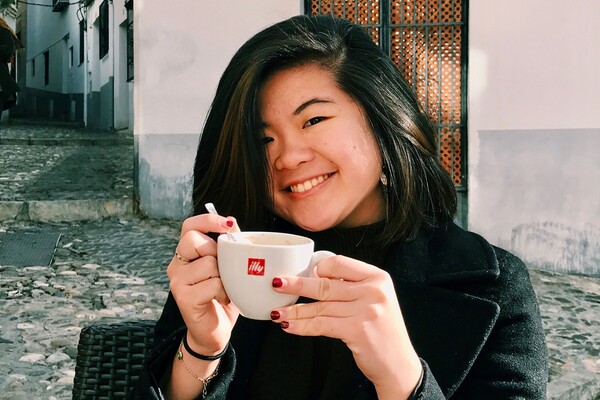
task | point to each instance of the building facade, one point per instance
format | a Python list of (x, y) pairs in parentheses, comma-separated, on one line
[(76, 62), (533, 126)]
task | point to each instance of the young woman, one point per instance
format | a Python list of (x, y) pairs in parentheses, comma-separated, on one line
[(313, 131)]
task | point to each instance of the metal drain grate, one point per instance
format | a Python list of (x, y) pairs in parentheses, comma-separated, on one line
[(27, 249)]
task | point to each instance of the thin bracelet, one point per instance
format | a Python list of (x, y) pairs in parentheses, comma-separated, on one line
[(204, 381), (201, 356), (416, 393)]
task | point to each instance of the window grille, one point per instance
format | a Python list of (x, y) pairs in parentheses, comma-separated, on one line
[(81, 41), (103, 29), (46, 67), (130, 55), (424, 39)]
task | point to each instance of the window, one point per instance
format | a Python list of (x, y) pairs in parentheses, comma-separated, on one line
[(46, 67), (425, 39), (81, 41), (129, 7), (71, 56), (33, 67), (103, 29)]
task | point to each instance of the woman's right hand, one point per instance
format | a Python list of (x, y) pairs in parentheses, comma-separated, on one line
[(196, 285)]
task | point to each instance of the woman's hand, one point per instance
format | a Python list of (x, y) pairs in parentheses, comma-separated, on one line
[(357, 303), (196, 285)]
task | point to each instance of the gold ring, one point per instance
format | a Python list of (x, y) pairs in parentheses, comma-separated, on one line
[(182, 259)]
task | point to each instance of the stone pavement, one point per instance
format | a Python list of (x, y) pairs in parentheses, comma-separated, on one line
[(112, 268), (58, 173)]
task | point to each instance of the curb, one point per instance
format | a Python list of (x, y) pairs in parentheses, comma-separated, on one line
[(65, 210), (67, 141)]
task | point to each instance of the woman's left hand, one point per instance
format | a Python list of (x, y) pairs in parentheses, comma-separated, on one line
[(357, 303)]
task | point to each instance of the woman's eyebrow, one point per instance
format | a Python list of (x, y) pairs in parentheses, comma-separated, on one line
[(310, 102)]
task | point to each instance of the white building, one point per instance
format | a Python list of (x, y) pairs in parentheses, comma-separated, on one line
[(76, 62), (533, 125)]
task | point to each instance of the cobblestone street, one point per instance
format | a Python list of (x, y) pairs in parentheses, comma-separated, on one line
[(110, 270), (113, 269)]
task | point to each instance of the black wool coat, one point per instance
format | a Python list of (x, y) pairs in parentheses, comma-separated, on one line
[(469, 308)]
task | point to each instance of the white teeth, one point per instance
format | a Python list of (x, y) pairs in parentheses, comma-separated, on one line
[(309, 184)]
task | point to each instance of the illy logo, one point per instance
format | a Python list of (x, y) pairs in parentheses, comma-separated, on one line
[(256, 266)]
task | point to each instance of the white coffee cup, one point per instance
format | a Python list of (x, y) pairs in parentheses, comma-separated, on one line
[(248, 265)]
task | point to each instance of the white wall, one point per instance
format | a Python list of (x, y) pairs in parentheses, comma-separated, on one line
[(55, 32), (180, 52), (534, 129)]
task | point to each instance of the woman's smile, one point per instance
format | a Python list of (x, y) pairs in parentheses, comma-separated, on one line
[(308, 184)]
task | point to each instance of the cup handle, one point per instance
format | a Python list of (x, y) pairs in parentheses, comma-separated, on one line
[(317, 257)]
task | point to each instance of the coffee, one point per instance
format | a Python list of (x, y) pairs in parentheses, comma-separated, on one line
[(270, 240)]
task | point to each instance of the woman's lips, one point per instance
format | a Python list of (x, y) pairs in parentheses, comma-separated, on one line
[(308, 184)]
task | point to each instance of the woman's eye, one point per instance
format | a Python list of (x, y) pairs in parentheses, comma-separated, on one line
[(313, 121), (266, 139)]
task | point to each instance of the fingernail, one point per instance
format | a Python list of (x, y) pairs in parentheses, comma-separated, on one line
[(284, 325), (227, 223), (275, 315), (277, 283)]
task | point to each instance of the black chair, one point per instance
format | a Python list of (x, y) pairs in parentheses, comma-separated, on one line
[(109, 359)]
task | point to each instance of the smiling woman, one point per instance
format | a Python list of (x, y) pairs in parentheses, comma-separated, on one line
[(314, 132)]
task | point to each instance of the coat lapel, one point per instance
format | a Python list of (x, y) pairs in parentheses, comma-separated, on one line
[(447, 327)]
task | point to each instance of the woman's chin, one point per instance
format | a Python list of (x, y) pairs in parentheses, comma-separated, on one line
[(314, 225)]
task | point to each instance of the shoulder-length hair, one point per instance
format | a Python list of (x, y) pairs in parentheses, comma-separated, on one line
[(231, 164)]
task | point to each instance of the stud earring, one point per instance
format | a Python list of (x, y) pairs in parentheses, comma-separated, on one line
[(383, 178)]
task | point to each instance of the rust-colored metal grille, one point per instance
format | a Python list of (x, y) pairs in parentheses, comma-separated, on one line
[(424, 39), (365, 13)]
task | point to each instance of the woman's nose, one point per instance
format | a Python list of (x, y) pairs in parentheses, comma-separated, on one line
[(291, 152)]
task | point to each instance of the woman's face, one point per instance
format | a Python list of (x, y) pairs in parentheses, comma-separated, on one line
[(325, 164)]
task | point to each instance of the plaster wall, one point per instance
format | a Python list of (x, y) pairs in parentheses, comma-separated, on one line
[(181, 52), (108, 99), (55, 32), (534, 130)]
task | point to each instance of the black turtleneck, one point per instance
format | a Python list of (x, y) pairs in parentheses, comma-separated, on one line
[(299, 367)]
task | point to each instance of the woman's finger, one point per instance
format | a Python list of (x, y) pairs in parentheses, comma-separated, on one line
[(193, 245), (348, 269), (209, 223), (316, 309), (322, 289), (204, 292), (194, 272), (332, 327)]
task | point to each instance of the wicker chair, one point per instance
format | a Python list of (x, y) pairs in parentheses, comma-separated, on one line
[(109, 359)]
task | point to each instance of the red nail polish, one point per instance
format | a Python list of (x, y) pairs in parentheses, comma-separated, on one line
[(284, 325), (275, 315), (277, 282), (229, 223)]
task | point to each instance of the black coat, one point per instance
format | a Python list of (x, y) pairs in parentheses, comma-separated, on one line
[(469, 308)]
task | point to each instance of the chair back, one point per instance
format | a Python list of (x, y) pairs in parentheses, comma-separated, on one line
[(110, 358)]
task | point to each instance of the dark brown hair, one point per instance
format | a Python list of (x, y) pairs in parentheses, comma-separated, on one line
[(231, 165)]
